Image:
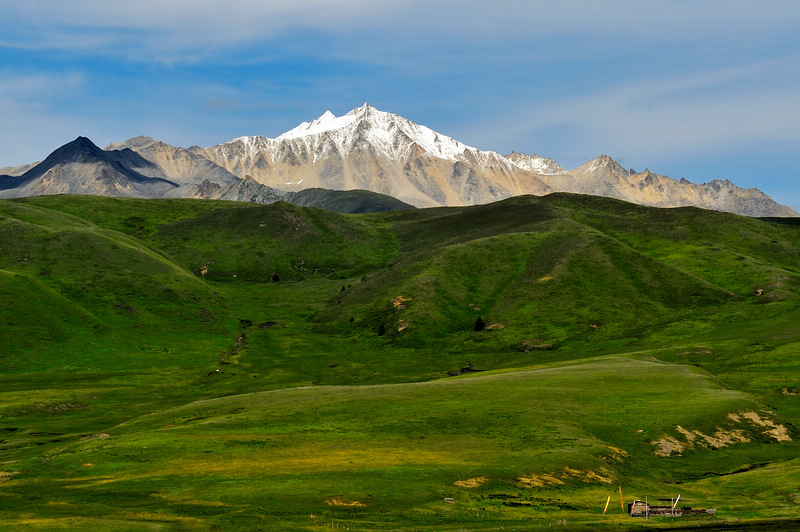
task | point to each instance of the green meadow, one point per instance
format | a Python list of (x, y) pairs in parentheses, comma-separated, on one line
[(207, 365)]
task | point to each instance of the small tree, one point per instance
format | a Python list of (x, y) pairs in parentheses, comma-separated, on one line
[(381, 330), (479, 325)]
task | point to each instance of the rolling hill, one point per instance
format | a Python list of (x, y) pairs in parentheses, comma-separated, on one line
[(200, 364)]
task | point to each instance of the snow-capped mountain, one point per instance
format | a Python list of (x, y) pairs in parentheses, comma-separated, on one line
[(378, 151), (365, 149)]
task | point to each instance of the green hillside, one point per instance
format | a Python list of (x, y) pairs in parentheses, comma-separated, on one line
[(202, 365)]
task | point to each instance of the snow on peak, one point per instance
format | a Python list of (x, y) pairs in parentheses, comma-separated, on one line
[(389, 134), (327, 122), (386, 132), (535, 163)]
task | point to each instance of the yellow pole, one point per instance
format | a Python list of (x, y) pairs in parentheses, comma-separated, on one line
[(676, 501), (621, 504), (606, 508)]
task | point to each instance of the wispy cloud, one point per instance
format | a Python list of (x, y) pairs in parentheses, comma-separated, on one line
[(183, 30), (655, 118)]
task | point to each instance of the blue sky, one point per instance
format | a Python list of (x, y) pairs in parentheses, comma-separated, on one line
[(701, 89)]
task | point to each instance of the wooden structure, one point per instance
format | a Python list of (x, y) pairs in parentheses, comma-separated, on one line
[(642, 509)]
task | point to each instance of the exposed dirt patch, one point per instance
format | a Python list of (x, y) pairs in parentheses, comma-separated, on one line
[(772, 429), (539, 481), (402, 325), (697, 352), (470, 482), (666, 446), (400, 302), (101, 436), (495, 327), (722, 438), (545, 278), (588, 475), (528, 345), (5, 476), (617, 455), (340, 500), (689, 435), (741, 427)]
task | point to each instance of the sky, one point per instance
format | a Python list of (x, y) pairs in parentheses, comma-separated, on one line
[(701, 89)]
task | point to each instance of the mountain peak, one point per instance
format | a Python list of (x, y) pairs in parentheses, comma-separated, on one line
[(78, 149), (326, 122), (535, 163), (142, 141), (363, 110), (603, 162)]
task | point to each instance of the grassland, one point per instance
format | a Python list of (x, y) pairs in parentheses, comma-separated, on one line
[(198, 365)]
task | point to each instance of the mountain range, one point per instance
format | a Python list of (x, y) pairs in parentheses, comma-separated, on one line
[(366, 149)]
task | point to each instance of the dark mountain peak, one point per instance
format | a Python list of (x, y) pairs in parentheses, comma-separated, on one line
[(79, 150)]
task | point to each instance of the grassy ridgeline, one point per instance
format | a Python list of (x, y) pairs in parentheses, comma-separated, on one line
[(649, 348)]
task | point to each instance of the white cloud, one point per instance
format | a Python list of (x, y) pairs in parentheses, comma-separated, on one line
[(653, 118), (178, 30)]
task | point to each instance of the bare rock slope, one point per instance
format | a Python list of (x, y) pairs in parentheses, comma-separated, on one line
[(80, 167)]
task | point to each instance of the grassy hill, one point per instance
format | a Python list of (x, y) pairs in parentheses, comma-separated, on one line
[(185, 364)]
